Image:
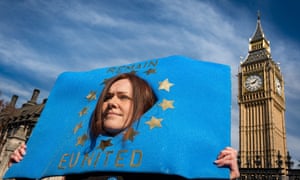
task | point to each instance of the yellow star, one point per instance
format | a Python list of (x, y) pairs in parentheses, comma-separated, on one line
[(166, 104), (150, 71), (83, 111), (104, 81), (165, 85), (78, 126), (154, 122), (104, 144), (81, 140), (130, 134), (133, 72), (91, 96)]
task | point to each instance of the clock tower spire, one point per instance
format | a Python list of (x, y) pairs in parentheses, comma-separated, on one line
[(259, 46), (261, 100)]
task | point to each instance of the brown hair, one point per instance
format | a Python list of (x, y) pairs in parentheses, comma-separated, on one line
[(143, 99)]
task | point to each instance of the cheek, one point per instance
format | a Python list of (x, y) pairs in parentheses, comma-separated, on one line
[(129, 110), (103, 107)]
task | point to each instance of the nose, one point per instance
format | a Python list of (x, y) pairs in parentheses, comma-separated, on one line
[(112, 103)]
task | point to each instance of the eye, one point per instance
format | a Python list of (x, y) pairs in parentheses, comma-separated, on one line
[(108, 96), (124, 97)]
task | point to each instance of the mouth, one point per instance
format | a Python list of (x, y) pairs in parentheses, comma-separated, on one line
[(111, 114)]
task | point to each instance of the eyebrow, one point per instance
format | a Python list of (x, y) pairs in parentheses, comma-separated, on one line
[(118, 92)]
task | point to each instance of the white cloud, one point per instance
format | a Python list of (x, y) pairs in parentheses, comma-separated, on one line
[(86, 36), (20, 56)]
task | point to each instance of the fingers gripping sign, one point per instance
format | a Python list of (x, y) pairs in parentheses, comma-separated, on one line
[(18, 154), (228, 157)]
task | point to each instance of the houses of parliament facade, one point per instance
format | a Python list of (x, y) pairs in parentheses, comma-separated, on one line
[(263, 150)]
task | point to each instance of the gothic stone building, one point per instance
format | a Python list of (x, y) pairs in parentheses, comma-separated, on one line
[(16, 125)]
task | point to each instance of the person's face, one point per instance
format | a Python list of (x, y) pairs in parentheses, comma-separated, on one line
[(117, 108)]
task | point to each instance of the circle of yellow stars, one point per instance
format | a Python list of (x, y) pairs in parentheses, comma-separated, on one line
[(129, 134)]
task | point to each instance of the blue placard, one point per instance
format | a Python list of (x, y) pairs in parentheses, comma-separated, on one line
[(192, 116)]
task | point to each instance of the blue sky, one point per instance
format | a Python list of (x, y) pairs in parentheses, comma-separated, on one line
[(41, 39)]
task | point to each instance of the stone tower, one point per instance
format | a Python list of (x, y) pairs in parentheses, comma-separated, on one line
[(261, 100)]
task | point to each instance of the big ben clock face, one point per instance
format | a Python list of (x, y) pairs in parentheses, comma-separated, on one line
[(253, 82), (278, 86)]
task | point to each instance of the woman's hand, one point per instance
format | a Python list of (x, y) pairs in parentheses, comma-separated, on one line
[(228, 157), (17, 155)]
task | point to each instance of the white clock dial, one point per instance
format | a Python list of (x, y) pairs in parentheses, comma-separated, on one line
[(253, 82), (278, 86)]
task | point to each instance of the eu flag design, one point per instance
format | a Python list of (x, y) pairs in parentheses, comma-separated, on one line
[(181, 134)]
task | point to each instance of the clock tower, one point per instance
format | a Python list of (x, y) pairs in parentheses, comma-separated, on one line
[(261, 100)]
